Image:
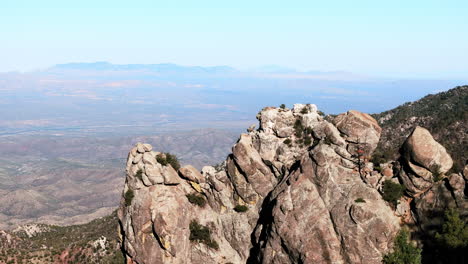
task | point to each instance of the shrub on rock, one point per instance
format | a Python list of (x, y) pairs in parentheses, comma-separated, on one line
[(241, 208), (196, 199), (128, 197), (168, 158), (392, 192), (359, 200), (201, 234)]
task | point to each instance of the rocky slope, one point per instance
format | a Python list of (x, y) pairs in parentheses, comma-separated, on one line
[(444, 114), (94, 242), (298, 189)]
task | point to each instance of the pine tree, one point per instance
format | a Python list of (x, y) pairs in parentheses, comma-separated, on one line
[(403, 252)]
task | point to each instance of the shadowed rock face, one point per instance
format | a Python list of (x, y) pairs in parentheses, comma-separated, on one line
[(298, 178)]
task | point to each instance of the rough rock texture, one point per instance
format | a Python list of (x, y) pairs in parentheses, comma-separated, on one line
[(424, 163), (423, 159), (359, 129), (298, 177), (424, 151)]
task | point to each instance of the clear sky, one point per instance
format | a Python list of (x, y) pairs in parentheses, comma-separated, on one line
[(387, 38)]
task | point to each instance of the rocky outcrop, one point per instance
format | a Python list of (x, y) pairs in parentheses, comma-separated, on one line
[(360, 130), (292, 191), (424, 159), (422, 150), (423, 165)]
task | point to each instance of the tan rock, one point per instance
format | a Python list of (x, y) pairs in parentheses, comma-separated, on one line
[(274, 121), (415, 185), (251, 128), (337, 232), (146, 180), (154, 174), (387, 172), (252, 167), (170, 176), (147, 147), (148, 158), (421, 148), (301, 200), (140, 148), (137, 158), (457, 182), (133, 152), (360, 129), (189, 172)]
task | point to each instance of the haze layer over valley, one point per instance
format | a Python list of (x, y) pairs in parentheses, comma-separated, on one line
[(65, 131), (139, 99)]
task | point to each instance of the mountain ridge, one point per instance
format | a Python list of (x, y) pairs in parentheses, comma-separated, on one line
[(444, 114)]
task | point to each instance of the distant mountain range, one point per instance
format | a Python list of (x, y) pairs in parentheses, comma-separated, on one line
[(160, 68)]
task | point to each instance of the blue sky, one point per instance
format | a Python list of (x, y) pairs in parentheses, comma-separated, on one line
[(409, 39)]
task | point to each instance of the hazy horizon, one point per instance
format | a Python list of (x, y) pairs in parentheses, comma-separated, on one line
[(400, 39)]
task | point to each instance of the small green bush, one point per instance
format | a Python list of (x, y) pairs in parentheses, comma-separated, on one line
[(172, 159), (320, 113), (139, 175), (287, 142), (359, 200), (128, 197), (307, 141), (282, 106), (161, 160), (168, 158), (201, 234), (304, 110), (392, 192), (327, 141), (196, 199), (298, 128), (241, 208), (377, 159), (403, 251)]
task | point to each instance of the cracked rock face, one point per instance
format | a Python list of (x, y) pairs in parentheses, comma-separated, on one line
[(422, 158), (360, 130), (307, 199)]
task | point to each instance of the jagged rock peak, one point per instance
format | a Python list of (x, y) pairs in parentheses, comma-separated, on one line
[(296, 190)]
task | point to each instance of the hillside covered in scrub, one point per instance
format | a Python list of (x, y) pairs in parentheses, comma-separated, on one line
[(94, 242), (444, 114)]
